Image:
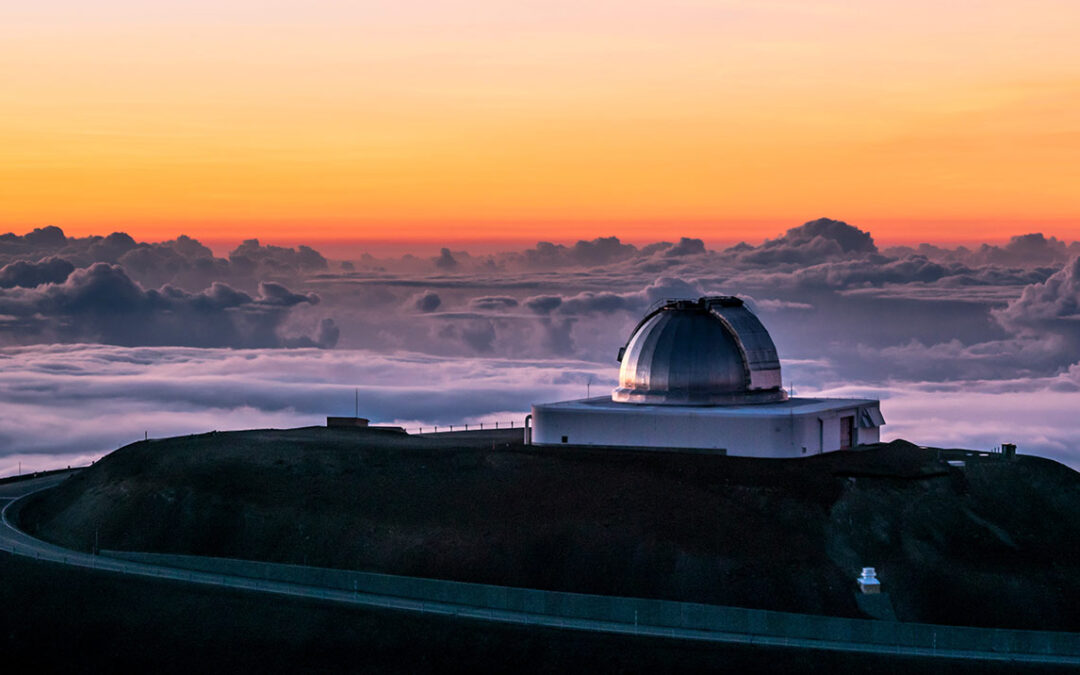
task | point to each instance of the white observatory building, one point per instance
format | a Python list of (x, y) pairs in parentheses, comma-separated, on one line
[(704, 375)]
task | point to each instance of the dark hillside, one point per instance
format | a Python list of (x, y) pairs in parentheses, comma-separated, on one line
[(994, 542), (59, 619)]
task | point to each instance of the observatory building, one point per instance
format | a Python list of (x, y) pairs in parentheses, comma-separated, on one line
[(704, 374)]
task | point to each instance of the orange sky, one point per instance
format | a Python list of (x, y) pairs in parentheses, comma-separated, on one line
[(475, 120)]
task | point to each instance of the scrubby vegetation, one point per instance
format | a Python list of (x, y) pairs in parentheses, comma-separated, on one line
[(992, 543)]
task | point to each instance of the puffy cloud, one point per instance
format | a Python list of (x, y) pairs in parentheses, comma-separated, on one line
[(557, 336), (49, 236), (670, 288), (327, 334), (101, 303), (494, 302), (605, 302), (591, 302), (41, 241), (254, 259), (446, 260), (182, 262), (29, 274), (592, 253), (810, 242), (51, 241), (665, 249), (654, 248), (325, 337), (601, 251), (477, 334), (896, 277), (847, 274), (543, 304), (110, 248), (1054, 303), (1047, 314), (274, 294), (1024, 250), (1038, 334), (686, 246), (549, 324), (546, 254), (426, 301)]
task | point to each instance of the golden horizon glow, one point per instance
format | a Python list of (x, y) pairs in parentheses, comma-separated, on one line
[(545, 120)]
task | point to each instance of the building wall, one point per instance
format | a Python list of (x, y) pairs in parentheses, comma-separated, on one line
[(781, 435), (870, 435), (823, 435)]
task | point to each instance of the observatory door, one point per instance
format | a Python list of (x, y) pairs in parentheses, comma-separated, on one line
[(847, 432)]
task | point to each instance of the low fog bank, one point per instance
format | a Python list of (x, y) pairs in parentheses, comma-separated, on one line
[(102, 338), (67, 404)]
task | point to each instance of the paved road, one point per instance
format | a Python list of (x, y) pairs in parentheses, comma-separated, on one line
[(17, 488), (19, 543)]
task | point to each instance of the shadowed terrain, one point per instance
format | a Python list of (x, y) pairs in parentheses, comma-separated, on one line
[(993, 542), (61, 619)]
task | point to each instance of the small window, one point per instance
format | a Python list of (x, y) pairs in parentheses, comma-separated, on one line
[(565, 439)]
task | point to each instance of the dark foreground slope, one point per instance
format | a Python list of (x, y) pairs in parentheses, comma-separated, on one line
[(991, 543), (58, 619)]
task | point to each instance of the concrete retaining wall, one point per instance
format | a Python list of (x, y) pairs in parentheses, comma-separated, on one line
[(636, 610)]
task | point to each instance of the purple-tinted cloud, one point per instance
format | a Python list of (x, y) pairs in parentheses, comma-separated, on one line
[(1001, 320), (26, 274), (62, 402), (425, 302), (101, 303), (811, 242), (79, 401), (1054, 303)]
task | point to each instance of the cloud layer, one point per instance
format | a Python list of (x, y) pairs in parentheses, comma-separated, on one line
[(69, 403), (64, 402), (101, 303), (907, 321)]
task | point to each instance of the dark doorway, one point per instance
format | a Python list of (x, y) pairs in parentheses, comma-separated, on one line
[(847, 432)]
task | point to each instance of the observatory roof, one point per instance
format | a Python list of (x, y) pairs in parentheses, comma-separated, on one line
[(712, 351)]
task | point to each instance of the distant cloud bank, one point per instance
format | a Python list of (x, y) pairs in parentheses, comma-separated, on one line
[(910, 322)]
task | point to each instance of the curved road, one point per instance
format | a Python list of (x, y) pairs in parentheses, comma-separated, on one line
[(17, 542)]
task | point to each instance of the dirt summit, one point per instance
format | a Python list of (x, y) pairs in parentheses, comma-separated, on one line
[(982, 541)]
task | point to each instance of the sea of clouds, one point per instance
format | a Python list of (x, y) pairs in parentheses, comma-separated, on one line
[(103, 339)]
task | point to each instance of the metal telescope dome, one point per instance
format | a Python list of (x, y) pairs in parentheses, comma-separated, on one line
[(710, 351)]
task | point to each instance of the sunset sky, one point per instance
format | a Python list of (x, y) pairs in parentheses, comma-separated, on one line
[(494, 120)]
